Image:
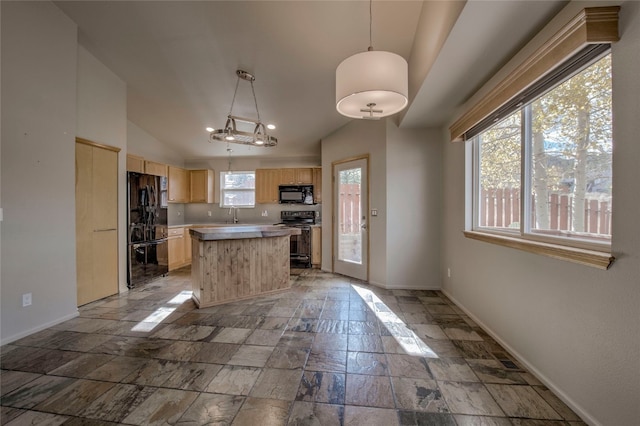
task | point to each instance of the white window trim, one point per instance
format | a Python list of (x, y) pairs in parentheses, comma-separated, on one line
[(223, 189)]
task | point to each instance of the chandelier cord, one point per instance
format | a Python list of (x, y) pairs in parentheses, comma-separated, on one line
[(255, 100), (235, 92)]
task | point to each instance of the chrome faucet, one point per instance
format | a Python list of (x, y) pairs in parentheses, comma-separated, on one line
[(235, 213)]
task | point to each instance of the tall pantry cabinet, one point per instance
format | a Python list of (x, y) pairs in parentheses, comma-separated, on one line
[(96, 220)]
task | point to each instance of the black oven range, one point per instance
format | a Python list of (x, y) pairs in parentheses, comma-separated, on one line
[(300, 246)]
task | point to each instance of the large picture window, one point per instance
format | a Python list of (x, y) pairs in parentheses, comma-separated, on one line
[(544, 171), (237, 189)]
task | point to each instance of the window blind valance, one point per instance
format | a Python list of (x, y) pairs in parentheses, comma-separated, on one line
[(592, 26)]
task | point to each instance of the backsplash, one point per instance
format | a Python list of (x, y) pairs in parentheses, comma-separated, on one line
[(199, 213)]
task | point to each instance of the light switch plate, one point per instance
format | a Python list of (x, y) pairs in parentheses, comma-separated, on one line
[(374, 212)]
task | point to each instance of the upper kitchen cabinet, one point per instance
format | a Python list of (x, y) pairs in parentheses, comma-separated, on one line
[(299, 176), (201, 186), (153, 168), (178, 185), (135, 163), (317, 185), (267, 181)]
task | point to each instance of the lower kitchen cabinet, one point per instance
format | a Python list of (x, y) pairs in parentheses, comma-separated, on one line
[(179, 248), (316, 246)]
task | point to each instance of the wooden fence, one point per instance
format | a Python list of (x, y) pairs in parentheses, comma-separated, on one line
[(501, 208), (350, 212)]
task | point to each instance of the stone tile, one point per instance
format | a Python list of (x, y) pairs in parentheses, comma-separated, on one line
[(82, 366), (34, 392), (277, 384), (37, 360), (429, 331), (251, 356), (308, 414), (522, 401), (296, 339), (12, 380), (469, 398), (274, 323), (264, 337), (366, 363), (364, 327), (231, 335), (306, 325), (318, 386), (472, 349), (288, 358), (358, 416), (451, 369), (462, 420), (117, 369), (418, 395), (37, 418), (419, 418), (211, 409), (7, 414), (192, 376), (332, 326), (461, 332), (180, 351), (81, 392), (327, 361), (492, 371), (164, 406), (258, 411), (330, 341), (215, 353), (408, 366), (153, 373), (555, 403), (234, 380), (371, 391), (117, 402), (365, 343)]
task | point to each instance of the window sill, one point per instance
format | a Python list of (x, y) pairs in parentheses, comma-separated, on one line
[(592, 258)]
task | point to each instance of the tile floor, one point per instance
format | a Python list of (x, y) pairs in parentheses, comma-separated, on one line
[(330, 351)]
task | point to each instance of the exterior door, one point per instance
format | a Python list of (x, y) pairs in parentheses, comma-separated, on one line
[(350, 224)]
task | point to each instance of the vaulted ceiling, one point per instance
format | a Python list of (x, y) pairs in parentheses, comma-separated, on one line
[(178, 59)]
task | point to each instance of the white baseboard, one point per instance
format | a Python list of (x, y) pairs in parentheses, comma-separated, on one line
[(41, 327), (578, 409)]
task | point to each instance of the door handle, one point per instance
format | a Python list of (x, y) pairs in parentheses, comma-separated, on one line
[(364, 226)]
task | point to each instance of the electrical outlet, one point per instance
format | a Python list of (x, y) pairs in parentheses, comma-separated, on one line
[(449, 272), (209, 213), (26, 299)]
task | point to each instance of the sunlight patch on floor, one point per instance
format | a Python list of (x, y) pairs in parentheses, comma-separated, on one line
[(406, 338), (160, 314)]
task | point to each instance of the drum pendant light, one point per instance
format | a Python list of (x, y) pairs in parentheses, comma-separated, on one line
[(371, 84)]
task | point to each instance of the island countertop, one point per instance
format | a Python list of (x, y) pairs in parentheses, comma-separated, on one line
[(242, 232)]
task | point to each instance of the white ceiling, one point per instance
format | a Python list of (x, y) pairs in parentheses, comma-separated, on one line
[(178, 59)]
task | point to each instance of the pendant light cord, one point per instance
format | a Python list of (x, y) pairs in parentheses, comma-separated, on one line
[(255, 100), (370, 25), (235, 92)]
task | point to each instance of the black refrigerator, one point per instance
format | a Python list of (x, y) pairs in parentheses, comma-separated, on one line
[(148, 254)]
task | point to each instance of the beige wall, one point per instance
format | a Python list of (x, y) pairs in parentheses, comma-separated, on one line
[(356, 138), (575, 326), (39, 58), (102, 118)]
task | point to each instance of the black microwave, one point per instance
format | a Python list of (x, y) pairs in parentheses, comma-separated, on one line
[(296, 194)]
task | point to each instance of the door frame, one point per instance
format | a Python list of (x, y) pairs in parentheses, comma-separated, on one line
[(366, 208)]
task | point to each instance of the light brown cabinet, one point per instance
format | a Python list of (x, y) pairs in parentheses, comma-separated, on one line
[(176, 248), (316, 246), (267, 181), (178, 185), (299, 176), (201, 186), (153, 168), (317, 185), (135, 163), (96, 221)]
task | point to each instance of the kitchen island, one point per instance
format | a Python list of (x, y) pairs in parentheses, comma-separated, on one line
[(231, 263)]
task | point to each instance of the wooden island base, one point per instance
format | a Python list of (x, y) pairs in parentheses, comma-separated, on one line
[(235, 263)]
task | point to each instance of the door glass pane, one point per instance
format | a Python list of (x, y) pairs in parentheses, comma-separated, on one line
[(349, 216)]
